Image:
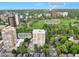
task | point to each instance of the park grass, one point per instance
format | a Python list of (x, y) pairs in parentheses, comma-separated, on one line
[(65, 21), (38, 24)]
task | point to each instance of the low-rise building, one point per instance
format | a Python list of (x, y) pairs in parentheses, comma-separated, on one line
[(19, 42), (62, 55), (65, 14), (76, 55), (24, 35), (40, 15), (72, 39), (19, 55), (70, 55)]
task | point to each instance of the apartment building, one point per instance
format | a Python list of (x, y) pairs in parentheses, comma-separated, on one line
[(39, 37), (9, 37)]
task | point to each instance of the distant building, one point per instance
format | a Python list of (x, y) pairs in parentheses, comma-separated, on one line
[(30, 16), (13, 20), (70, 55), (27, 14), (17, 19), (9, 37), (65, 14), (47, 14), (40, 15), (19, 55), (72, 39), (38, 37), (21, 16), (57, 14), (76, 55), (62, 55)]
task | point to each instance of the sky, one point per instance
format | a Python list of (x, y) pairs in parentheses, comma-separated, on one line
[(37, 5)]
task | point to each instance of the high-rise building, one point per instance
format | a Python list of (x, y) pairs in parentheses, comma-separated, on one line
[(13, 20), (9, 37), (39, 37), (17, 19)]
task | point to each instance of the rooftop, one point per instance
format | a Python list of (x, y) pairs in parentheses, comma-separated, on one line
[(39, 30), (19, 42), (8, 28)]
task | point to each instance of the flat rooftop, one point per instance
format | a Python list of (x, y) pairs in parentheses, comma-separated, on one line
[(39, 30)]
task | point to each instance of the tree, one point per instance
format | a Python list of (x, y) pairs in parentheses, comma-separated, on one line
[(58, 49), (22, 49), (64, 49), (68, 44), (40, 48), (36, 47), (61, 49), (63, 39), (0, 33), (52, 41), (27, 40), (45, 49), (48, 32), (15, 52), (74, 49)]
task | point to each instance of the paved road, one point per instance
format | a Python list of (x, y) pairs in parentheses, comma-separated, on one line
[(29, 24), (52, 51)]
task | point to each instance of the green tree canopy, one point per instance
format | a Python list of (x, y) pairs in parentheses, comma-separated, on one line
[(45, 49), (22, 49)]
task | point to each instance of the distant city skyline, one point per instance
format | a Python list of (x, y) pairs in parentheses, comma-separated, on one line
[(37, 5)]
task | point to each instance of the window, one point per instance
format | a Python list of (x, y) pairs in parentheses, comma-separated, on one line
[(7, 39)]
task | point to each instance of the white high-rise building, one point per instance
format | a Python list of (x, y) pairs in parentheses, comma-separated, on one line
[(17, 19), (39, 37)]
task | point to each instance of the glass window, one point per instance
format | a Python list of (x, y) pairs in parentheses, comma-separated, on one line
[(7, 39)]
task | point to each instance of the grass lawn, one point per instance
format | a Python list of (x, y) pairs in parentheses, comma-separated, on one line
[(38, 24), (66, 21)]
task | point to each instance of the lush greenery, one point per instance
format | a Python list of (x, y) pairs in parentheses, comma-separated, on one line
[(43, 49), (56, 34), (22, 49), (38, 24), (23, 28)]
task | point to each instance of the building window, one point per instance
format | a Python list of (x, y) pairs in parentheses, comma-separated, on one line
[(7, 39)]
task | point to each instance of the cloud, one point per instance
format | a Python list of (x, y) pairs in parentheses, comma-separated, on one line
[(56, 5)]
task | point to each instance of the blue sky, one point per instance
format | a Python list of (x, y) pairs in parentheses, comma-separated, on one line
[(37, 5)]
